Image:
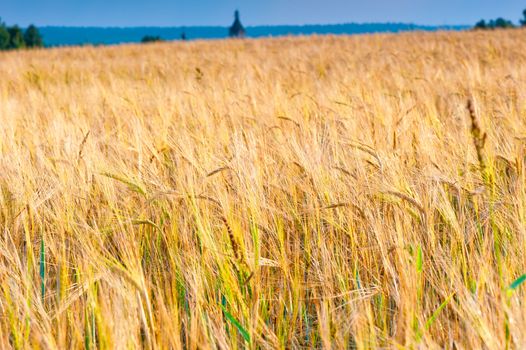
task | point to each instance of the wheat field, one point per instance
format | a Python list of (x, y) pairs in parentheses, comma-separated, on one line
[(311, 192)]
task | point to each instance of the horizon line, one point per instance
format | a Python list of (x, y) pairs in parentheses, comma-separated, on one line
[(250, 26)]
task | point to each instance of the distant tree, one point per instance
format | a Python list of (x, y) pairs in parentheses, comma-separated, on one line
[(523, 20), (495, 24), (32, 37), (151, 39), (237, 30), (503, 23), (16, 38), (4, 36), (481, 24)]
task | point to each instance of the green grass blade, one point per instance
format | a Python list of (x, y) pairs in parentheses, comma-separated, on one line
[(420, 260), (433, 317), (236, 323), (357, 278), (516, 284), (42, 269)]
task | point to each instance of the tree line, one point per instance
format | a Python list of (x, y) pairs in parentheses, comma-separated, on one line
[(500, 23), (13, 37), (157, 38)]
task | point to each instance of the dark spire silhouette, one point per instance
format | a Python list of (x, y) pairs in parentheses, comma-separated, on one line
[(236, 30)]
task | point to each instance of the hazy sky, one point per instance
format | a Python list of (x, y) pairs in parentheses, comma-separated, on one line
[(253, 12)]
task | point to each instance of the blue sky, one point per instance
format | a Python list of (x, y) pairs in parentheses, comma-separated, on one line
[(253, 12)]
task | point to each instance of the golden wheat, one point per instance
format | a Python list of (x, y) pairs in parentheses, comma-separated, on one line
[(279, 193)]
